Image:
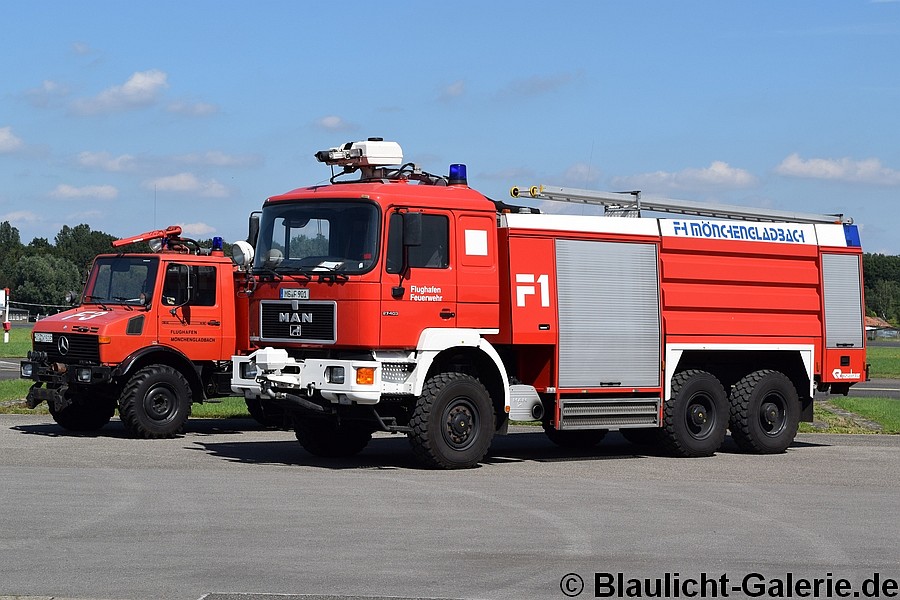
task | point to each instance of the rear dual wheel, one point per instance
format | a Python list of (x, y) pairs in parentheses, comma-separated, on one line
[(765, 412), (696, 416)]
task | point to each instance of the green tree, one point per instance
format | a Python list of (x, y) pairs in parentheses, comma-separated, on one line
[(44, 279), (80, 245), (883, 299), (39, 246), (10, 252)]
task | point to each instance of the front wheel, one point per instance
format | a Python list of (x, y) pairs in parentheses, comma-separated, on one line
[(156, 402), (696, 416), (83, 414), (453, 422), (765, 412), (329, 440), (267, 415)]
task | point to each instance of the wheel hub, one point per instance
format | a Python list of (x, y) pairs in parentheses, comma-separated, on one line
[(699, 417), (460, 425), (160, 404), (770, 413)]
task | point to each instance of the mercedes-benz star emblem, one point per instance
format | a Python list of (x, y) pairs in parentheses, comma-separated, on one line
[(63, 345)]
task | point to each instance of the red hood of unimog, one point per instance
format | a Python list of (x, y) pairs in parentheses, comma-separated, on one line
[(91, 318)]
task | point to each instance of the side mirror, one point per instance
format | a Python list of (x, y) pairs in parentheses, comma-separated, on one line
[(253, 228), (412, 229)]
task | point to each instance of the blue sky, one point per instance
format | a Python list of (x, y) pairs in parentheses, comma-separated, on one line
[(130, 116)]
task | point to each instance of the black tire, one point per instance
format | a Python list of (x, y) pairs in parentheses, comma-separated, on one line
[(644, 436), (155, 403), (267, 415), (453, 422), (578, 438), (83, 414), (326, 439), (765, 412), (696, 416)]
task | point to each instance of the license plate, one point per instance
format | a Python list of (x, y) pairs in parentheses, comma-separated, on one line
[(295, 294), (47, 338)]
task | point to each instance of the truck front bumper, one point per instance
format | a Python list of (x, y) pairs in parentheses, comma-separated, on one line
[(58, 378), (270, 373)]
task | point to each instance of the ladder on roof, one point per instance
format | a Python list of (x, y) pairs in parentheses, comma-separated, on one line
[(632, 201)]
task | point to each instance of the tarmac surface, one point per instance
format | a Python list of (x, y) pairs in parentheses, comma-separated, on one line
[(229, 511)]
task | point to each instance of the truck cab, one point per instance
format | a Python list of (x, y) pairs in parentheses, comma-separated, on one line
[(365, 291), (150, 335)]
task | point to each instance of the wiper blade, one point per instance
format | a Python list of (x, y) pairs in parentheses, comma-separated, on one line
[(96, 300)]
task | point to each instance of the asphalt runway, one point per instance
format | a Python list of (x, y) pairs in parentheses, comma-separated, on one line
[(228, 511)]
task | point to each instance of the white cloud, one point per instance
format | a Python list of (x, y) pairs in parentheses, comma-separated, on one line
[(197, 229), (142, 89), (9, 142), (452, 91), (217, 158), (582, 174), (81, 48), (98, 192), (188, 183), (106, 162), (21, 216), (49, 93), (334, 123), (718, 175), (869, 170), (537, 85), (193, 109)]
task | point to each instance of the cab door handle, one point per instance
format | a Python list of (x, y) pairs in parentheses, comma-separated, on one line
[(447, 314), (214, 323)]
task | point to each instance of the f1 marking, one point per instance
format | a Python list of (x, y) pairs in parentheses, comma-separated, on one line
[(525, 286)]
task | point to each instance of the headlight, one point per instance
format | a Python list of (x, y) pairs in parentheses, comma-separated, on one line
[(83, 375), (27, 370), (335, 375), (248, 370)]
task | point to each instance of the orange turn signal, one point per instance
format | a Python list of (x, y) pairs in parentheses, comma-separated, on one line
[(365, 376)]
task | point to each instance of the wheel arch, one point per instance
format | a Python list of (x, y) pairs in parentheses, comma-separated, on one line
[(463, 351), (730, 363), (163, 355)]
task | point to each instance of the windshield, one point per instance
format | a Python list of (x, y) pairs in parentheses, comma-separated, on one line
[(336, 235), (121, 280)]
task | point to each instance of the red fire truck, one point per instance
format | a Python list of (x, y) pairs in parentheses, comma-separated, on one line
[(153, 333), (406, 302)]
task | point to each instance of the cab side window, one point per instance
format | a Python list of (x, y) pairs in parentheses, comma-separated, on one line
[(204, 279), (434, 253), (202, 286)]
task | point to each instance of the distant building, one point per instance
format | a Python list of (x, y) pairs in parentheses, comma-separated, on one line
[(879, 328)]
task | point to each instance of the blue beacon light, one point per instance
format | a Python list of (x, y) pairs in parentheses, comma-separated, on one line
[(217, 244), (457, 175)]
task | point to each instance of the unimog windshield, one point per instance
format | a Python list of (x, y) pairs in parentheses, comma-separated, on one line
[(127, 280), (318, 237)]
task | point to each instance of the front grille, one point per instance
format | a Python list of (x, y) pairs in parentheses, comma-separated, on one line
[(82, 349), (296, 321)]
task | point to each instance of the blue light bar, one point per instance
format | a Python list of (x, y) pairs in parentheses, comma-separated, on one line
[(457, 175), (851, 234)]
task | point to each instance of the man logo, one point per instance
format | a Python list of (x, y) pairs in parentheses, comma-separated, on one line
[(295, 331), (295, 318), (63, 345)]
